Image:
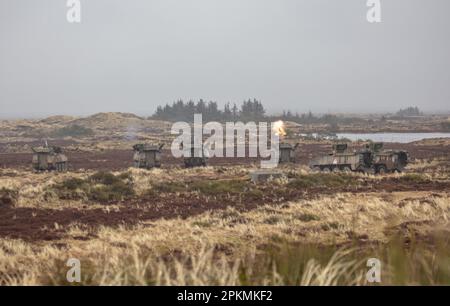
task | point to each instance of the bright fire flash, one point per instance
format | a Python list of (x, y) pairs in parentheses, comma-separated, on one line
[(278, 128)]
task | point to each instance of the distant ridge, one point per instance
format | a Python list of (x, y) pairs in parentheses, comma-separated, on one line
[(113, 120), (59, 119)]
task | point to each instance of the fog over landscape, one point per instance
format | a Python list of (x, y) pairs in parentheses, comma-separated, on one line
[(131, 56)]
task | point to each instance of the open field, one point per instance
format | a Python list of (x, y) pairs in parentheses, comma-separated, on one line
[(120, 159), (212, 225), (41, 200)]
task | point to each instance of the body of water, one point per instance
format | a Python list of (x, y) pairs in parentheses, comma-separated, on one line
[(393, 137)]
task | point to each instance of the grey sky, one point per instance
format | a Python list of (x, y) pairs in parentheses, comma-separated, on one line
[(131, 55)]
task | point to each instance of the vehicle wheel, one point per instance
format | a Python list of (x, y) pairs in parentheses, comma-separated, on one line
[(347, 170), (326, 170), (316, 169), (336, 170), (361, 170), (382, 170), (397, 171)]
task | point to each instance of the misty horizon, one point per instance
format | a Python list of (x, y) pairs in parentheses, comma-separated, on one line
[(269, 114)]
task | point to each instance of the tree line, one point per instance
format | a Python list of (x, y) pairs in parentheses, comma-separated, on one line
[(250, 110), (253, 110), (409, 111)]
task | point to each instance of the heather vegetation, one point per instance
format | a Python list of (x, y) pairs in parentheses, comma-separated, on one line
[(311, 242), (72, 131), (214, 226), (101, 186)]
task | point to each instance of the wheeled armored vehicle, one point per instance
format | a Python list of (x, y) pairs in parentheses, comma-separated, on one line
[(372, 159)]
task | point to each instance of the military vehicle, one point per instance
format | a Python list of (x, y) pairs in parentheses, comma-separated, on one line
[(287, 153), (49, 159), (341, 159), (385, 161), (370, 160), (147, 156), (193, 161)]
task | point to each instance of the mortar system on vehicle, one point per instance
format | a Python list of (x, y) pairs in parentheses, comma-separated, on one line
[(147, 156), (198, 154), (49, 159), (287, 153), (195, 161)]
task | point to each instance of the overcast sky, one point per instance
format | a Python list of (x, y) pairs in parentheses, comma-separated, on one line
[(132, 55)]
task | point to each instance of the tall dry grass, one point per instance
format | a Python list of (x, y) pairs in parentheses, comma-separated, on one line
[(293, 265), (292, 244)]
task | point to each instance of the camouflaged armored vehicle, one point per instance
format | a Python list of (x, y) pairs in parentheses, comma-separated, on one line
[(49, 159), (193, 161), (370, 160), (287, 153), (341, 159), (147, 156), (385, 161)]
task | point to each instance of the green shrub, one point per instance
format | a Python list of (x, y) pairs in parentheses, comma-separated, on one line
[(254, 194), (102, 193), (125, 176), (218, 187), (71, 189), (272, 220), (73, 184), (206, 187), (322, 180), (105, 178), (170, 187), (8, 197), (306, 217), (203, 223), (73, 131), (101, 187), (414, 178), (330, 226)]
